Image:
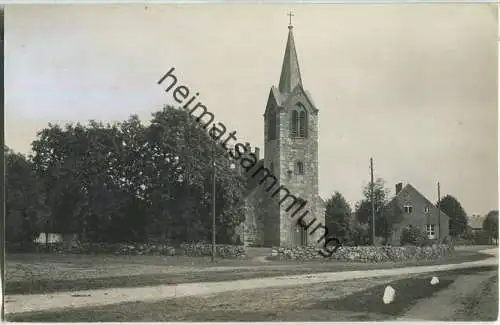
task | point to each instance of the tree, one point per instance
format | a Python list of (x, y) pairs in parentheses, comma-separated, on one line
[(55, 160), (391, 215), (180, 171), (128, 181), (83, 170), (364, 207), (386, 215), (337, 216), (25, 207), (490, 225), (453, 209)]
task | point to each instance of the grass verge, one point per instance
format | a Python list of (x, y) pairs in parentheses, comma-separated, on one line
[(354, 300), (482, 305), (47, 285)]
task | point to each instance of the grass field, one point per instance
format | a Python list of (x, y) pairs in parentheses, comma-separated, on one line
[(43, 273), (357, 300)]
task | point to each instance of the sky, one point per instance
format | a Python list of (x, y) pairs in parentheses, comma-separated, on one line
[(413, 86)]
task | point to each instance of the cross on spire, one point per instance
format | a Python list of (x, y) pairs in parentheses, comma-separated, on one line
[(290, 72), (290, 14)]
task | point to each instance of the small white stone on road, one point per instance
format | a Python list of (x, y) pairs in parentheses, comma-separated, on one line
[(389, 295), (434, 280)]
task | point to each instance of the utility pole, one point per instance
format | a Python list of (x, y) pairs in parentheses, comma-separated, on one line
[(439, 212), (213, 206), (373, 202)]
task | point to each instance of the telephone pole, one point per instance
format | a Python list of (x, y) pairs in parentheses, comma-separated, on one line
[(373, 202), (213, 207), (439, 212)]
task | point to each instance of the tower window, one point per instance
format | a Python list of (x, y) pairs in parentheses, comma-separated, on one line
[(271, 127), (299, 168), (298, 123)]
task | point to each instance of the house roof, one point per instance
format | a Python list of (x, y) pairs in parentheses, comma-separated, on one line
[(409, 187), (476, 221)]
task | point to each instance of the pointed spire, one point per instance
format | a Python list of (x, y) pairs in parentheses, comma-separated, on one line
[(290, 72)]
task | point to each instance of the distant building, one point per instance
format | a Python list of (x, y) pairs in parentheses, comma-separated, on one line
[(55, 238), (418, 212), (476, 223), (49, 238)]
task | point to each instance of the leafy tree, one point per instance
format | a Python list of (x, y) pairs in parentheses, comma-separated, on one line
[(181, 173), (128, 181), (25, 207), (337, 216), (364, 207), (454, 210), (490, 225), (54, 161), (391, 215), (386, 215)]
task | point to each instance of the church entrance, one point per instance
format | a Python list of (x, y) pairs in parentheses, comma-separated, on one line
[(300, 236)]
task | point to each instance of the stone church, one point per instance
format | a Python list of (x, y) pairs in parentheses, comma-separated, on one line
[(291, 155)]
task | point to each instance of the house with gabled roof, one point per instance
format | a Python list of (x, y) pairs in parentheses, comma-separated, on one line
[(419, 212), (476, 223)]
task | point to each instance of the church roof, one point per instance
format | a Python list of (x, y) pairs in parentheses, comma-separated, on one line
[(290, 71)]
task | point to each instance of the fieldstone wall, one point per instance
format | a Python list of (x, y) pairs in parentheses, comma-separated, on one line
[(187, 249), (366, 254), (205, 249)]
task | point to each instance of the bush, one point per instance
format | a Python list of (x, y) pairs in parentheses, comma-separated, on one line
[(413, 236), (359, 235), (482, 238)]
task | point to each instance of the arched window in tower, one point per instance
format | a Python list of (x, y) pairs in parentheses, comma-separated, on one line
[(271, 127), (298, 122), (299, 168)]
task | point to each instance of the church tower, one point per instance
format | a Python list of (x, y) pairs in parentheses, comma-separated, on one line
[(291, 153)]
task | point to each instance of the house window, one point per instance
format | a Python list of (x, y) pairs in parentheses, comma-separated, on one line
[(426, 210), (299, 168), (408, 209), (431, 231), (298, 122), (271, 127)]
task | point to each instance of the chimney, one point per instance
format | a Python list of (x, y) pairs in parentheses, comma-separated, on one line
[(256, 151), (399, 187)]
